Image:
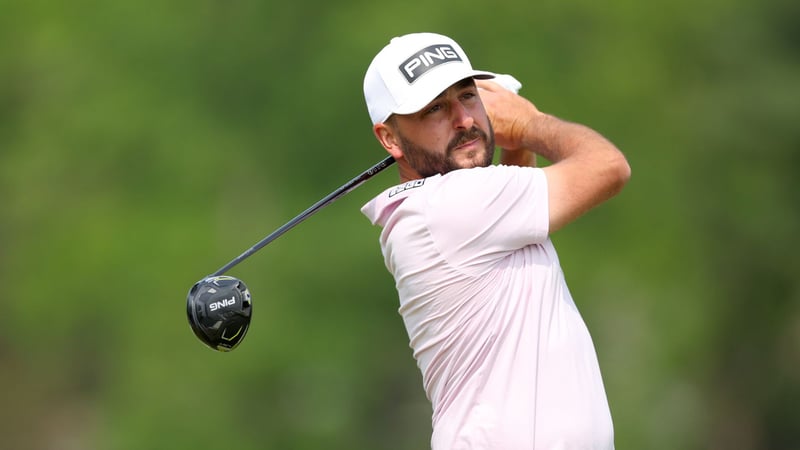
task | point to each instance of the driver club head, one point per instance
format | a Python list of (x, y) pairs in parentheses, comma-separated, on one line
[(219, 310)]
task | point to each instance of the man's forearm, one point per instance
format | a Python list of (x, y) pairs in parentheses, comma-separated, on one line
[(556, 139)]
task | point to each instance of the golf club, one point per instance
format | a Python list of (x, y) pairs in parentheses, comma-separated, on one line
[(219, 307)]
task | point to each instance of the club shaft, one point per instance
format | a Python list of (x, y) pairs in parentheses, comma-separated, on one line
[(330, 198)]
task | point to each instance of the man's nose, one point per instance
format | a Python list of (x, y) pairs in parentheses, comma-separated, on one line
[(462, 117)]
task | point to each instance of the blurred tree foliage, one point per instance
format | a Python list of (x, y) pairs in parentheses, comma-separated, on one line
[(145, 144)]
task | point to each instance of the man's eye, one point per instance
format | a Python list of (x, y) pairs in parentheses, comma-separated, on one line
[(433, 109)]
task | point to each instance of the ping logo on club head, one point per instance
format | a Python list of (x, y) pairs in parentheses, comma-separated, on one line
[(224, 303), (426, 59)]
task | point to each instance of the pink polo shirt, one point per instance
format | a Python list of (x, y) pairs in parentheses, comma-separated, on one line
[(506, 359)]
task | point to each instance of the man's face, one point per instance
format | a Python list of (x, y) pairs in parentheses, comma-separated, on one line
[(451, 132)]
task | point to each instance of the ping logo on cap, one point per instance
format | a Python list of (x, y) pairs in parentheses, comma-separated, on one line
[(426, 59)]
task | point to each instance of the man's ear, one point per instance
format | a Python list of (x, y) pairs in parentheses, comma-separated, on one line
[(388, 139)]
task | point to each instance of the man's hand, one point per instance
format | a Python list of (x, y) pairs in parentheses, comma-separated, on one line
[(510, 114)]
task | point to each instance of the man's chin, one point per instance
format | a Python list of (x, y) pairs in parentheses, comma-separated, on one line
[(471, 158)]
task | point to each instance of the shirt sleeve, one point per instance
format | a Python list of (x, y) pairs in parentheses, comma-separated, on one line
[(479, 215)]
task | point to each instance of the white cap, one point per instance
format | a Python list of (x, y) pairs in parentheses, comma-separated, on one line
[(411, 71)]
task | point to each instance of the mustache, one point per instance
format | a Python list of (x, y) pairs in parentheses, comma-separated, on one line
[(466, 136)]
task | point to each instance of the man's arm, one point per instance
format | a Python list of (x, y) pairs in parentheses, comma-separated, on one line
[(586, 168)]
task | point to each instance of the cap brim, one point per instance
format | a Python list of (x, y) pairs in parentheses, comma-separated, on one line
[(430, 89)]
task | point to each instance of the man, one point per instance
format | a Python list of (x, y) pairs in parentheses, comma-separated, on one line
[(506, 359)]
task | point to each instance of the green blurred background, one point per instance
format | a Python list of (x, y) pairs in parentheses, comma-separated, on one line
[(145, 144)]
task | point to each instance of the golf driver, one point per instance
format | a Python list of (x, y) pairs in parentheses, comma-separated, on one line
[(219, 307)]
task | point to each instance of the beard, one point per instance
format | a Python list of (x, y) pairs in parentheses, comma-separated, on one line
[(429, 162)]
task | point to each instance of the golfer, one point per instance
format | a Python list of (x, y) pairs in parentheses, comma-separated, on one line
[(506, 359)]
